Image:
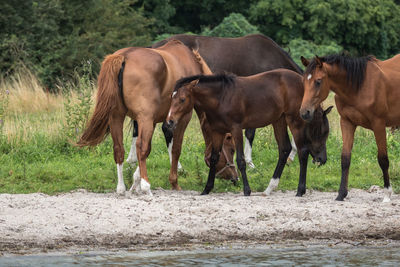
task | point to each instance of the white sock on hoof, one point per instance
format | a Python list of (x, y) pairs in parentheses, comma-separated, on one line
[(136, 181), (273, 183), (145, 186), (388, 193), (132, 157), (121, 185)]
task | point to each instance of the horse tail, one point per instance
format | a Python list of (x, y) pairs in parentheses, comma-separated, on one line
[(109, 97)]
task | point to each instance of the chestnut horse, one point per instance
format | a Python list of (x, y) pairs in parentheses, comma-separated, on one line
[(233, 103), (243, 56), (367, 94), (138, 82)]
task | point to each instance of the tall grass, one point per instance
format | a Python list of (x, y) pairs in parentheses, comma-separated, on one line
[(36, 154)]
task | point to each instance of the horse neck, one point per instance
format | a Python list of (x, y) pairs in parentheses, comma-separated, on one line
[(338, 83), (207, 96)]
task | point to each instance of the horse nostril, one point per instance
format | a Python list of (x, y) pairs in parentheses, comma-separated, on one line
[(170, 123), (306, 115)]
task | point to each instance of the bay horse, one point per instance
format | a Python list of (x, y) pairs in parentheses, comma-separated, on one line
[(138, 82), (243, 56), (367, 94), (233, 103)]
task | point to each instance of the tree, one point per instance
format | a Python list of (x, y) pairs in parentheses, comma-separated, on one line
[(360, 26), (192, 15), (53, 37), (235, 25)]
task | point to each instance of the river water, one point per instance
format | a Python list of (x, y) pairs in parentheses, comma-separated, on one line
[(256, 256)]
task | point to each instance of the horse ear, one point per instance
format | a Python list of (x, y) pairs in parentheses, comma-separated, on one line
[(304, 61), (318, 60), (326, 111), (194, 83)]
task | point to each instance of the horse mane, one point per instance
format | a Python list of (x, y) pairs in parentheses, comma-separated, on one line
[(355, 67), (203, 65), (227, 79)]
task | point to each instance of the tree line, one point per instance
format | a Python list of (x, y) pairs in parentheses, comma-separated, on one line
[(55, 38)]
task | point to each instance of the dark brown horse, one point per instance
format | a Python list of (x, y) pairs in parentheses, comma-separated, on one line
[(367, 94), (233, 103), (138, 82), (243, 56)]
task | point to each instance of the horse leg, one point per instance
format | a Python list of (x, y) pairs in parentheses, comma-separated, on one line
[(241, 163), (303, 159), (293, 152), (143, 148), (217, 142), (248, 148), (348, 130), (116, 128), (176, 150), (380, 138), (284, 147), (132, 157), (168, 135)]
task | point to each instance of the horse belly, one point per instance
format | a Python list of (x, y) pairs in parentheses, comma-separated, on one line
[(261, 119)]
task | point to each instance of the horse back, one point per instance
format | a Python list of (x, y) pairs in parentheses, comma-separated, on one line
[(242, 56), (266, 96)]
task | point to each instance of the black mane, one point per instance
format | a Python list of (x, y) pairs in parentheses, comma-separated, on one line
[(354, 67), (226, 79)]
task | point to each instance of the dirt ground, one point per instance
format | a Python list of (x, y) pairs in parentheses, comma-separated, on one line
[(39, 222)]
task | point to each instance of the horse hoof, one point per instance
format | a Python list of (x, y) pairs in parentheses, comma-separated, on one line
[(251, 164), (176, 187), (145, 187), (204, 193), (247, 193), (121, 190), (339, 198), (299, 194)]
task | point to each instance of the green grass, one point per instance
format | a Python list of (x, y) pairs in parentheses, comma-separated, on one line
[(48, 163), (36, 154)]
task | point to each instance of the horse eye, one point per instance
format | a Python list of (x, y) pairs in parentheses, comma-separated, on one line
[(317, 82), (182, 99)]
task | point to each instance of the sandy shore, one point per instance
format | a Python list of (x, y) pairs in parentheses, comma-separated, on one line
[(88, 220)]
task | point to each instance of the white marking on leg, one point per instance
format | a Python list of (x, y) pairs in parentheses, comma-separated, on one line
[(273, 183), (294, 150), (247, 154), (309, 77), (132, 157), (388, 193), (145, 186), (170, 154), (121, 185), (136, 181)]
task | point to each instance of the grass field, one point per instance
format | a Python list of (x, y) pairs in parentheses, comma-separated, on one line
[(36, 154)]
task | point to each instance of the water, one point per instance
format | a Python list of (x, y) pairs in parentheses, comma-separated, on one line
[(314, 256)]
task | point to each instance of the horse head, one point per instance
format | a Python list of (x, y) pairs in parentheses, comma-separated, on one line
[(316, 134), (316, 87)]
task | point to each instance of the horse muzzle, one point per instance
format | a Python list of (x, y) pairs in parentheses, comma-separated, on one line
[(171, 124), (307, 115)]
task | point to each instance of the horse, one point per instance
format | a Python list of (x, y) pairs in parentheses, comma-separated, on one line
[(367, 94), (138, 82), (243, 56), (232, 103)]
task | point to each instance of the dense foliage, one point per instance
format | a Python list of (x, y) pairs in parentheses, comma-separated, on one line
[(54, 37)]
